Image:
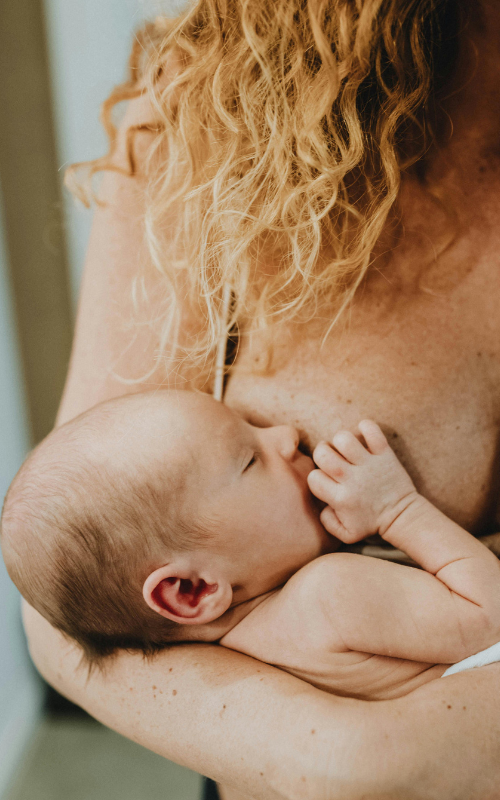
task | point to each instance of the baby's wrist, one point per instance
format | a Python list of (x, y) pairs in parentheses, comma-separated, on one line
[(400, 514)]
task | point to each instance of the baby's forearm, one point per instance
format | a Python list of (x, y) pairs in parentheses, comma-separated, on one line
[(456, 605), (446, 550)]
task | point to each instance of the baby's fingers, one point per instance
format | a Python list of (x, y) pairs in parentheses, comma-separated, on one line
[(351, 448), (332, 524), (373, 436), (323, 487), (331, 462)]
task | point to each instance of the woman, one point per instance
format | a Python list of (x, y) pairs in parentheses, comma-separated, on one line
[(342, 162)]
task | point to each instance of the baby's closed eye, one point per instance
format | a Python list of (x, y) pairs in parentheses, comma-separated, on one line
[(252, 461)]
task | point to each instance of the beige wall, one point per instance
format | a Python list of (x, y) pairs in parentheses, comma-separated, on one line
[(34, 237), (35, 321)]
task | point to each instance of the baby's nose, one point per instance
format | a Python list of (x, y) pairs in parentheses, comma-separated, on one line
[(288, 440)]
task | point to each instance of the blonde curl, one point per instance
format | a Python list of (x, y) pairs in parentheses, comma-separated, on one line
[(284, 131)]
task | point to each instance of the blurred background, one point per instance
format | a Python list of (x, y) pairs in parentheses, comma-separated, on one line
[(59, 59)]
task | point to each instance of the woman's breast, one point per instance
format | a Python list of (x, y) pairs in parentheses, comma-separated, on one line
[(428, 373)]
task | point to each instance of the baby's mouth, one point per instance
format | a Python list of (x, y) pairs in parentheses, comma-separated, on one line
[(304, 449)]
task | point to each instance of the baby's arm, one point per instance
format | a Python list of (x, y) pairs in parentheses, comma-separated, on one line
[(442, 615)]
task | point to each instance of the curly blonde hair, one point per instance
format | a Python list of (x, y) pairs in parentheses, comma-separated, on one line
[(284, 132)]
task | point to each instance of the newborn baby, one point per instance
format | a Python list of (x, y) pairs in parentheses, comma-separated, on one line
[(165, 517)]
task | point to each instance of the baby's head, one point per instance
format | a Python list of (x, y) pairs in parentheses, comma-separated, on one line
[(147, 518)]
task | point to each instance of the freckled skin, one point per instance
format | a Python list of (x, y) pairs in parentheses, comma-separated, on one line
[(443, 413)]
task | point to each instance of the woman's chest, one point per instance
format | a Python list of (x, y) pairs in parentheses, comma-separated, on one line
[(428, 371)]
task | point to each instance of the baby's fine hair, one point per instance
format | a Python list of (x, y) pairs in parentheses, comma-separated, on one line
[(80, 536)]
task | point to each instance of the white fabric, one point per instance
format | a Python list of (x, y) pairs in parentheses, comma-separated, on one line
[(488, 656)]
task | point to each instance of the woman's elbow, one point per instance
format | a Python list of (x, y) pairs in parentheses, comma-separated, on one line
[(47, 646)]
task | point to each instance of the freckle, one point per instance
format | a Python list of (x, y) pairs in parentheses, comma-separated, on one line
[(154, 696), (457, 428), (303, 779), (174, 692), (261, 773), (464, 708), (261, 679), (171, 668), (153, 688), (313, 731), (448, 706), (348, 402), (224, 706)]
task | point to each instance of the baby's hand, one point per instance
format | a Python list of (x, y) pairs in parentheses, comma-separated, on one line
[(365, 488)]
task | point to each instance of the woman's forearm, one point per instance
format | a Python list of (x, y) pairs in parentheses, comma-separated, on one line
[(249, 725), (273, 737), (452, 727)]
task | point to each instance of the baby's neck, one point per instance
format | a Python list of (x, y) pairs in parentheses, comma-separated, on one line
[(215, 630)]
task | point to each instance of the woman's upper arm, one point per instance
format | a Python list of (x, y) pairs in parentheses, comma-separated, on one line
[(216, 711), (113, 339)]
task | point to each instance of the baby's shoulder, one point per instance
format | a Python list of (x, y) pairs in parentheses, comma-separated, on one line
[(295, 617), (322, 574)]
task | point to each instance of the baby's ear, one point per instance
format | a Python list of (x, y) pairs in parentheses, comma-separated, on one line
[(184, 596)]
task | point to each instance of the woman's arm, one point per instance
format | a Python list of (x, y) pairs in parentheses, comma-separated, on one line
[(274, 737), (200, 712), (230, 717), (245, 723)]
